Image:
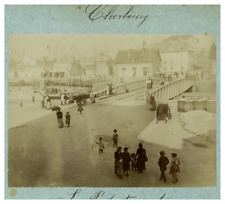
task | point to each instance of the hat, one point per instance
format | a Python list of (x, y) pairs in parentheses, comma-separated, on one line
[(125, 148), (162, 153), (115, 130), (174, 154), (119, 148)]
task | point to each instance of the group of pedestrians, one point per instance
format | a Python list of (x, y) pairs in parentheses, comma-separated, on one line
[(136, 161), (149, 83), (59, 116), (64, 99), (124, 161), (174, 167)]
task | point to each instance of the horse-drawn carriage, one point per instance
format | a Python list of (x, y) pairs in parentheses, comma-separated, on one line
[(80, 98), (163, 112), (78, 94)]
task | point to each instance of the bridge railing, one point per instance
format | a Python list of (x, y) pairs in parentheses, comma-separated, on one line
[(170, 90), (123, 88)]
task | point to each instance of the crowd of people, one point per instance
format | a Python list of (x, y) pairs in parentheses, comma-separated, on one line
[(124, 161)]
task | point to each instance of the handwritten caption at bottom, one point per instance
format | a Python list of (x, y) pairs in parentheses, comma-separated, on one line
[(102, 195)]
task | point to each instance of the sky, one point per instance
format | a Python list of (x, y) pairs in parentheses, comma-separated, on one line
[(37, 45)]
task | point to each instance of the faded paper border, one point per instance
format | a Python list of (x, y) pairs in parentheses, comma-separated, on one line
[(65, 19)]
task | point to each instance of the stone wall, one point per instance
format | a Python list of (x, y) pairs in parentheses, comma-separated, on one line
[(188, 104)]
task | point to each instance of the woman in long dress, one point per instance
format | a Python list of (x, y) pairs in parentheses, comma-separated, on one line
[(119, 162), (126, 161), (175, 167), (141, 158), (59, 115)]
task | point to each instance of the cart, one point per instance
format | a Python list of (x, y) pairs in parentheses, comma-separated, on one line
[(163, 113), (81, 98)]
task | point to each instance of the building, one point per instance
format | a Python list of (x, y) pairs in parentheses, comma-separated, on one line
[(212, 59), (176, 58), (87, 63), (187, 39), (60, 68), (18, 71), (201, 61), (104, 66), (46, 65), (136, 63), (75, 70)]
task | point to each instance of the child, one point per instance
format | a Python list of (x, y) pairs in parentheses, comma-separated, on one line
[(68, 119), (100, 146), (115, 138), (175, 167), (133, 161)]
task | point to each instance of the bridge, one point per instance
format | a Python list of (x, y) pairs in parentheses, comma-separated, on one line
[(165, 92), (123, 88), (170, 90)]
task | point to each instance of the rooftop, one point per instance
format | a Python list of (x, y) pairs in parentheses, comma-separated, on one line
[(137, 56)]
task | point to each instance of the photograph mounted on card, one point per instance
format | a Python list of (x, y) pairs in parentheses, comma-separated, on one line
[(102, 98)]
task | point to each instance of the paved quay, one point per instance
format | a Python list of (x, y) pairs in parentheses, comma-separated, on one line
[(42, 155)]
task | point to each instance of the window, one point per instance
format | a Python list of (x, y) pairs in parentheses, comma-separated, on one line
[(134, 72), (144, 71)]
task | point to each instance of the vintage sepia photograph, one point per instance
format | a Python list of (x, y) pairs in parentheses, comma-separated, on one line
[(112, 110)]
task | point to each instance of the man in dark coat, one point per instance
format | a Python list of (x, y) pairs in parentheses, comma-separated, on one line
[(163, 162)]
